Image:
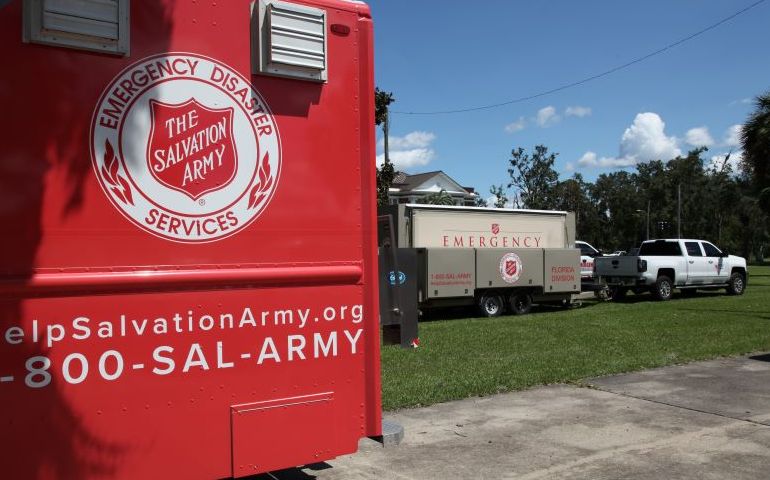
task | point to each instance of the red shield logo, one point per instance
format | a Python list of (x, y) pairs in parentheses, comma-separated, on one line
[(495, 228), (191, 147), (510, 267)]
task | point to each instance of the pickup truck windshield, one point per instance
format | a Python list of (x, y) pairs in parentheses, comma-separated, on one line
[(661, 249)]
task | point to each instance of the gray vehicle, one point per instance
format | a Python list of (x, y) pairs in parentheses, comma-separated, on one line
[(497, 279), (498, 259), (664, 265)]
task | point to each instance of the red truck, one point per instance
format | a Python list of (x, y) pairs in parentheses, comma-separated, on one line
[(188, 264)]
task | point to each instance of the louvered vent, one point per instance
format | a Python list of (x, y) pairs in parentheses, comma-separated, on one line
[(291, 40), (100, 25)]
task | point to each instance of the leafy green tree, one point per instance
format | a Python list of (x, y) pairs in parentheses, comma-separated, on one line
[(386, 173), (615, 198), (437, 198), (382, 100), (501, 199), (572, 195), (533, 177), (755, 137), (688, 176), (612, 212)]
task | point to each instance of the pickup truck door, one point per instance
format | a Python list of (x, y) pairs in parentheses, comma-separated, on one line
[(719, 270), (698, 269)]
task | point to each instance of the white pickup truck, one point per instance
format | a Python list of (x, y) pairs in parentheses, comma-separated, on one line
[(662, 265)]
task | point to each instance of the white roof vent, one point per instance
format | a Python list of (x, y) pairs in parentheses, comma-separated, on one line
[(100, 25), (290, 41)]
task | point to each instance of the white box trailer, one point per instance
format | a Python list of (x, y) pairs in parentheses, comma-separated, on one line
[(439, 226), (498, 259)]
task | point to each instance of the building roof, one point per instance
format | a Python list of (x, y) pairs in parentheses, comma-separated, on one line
[(428, 181)]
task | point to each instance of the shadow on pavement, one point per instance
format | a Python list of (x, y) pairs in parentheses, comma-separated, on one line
[(298, 473)]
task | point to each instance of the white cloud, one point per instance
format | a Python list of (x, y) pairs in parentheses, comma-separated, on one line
[(516, 126), (643, 141), (717, 161), (733, 136), (547, 116), (406, 159), (569, 167), (699, 137), (588, 160), (646, 140), (416, 139), (411, 150), (577, 111), (591, 160), (742, 101)]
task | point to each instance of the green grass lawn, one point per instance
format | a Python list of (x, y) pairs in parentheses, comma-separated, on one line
[(480, 356)]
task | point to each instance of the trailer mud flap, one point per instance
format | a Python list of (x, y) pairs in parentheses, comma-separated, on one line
[(271, 434)]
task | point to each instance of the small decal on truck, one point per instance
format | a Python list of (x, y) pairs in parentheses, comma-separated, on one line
[(185, 147), (510, 267)]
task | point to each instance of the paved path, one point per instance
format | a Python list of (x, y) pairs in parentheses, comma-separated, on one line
[(707, 420)]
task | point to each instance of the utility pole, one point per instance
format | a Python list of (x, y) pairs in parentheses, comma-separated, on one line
[(385, 131), (679, 211), (648, 220)]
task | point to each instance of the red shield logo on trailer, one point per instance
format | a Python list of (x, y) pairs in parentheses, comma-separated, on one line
[(510, 267), (495, 228), (191, 147)]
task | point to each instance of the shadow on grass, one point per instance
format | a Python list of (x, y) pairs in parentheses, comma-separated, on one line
[(468, 312), (759, 315), (647, 297)]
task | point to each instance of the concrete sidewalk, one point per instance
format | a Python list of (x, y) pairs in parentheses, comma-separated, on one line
[(707, 420)]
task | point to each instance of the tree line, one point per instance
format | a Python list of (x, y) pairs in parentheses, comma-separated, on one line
[(688, 196)]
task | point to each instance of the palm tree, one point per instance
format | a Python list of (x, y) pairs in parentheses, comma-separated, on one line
[(755, 137)]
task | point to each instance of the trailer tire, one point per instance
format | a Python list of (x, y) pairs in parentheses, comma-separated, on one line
[(491, 305), (520, 303), (663, 289), (737, 284)]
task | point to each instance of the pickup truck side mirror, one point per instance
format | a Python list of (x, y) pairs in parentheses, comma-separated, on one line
[(725, 253)]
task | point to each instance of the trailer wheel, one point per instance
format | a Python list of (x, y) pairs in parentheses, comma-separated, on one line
[(491, 305), (663, 289), (521, 303)]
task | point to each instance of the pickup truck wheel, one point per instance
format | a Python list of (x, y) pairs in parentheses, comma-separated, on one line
[(491, 305), (736, 285), (663, 288), (521, 303), (617, 294)]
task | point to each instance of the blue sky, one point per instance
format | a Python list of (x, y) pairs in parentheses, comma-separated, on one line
[(450, 55)]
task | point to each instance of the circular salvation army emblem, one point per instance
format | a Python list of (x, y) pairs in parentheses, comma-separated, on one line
[(185, 147), (510, 267)]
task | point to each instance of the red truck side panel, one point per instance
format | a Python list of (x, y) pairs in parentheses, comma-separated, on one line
[(166, 318)]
